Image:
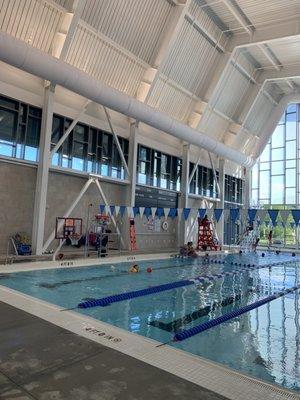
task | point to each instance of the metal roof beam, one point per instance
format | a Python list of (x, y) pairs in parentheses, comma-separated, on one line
[(266, 34), (270, 56), (239, 16)]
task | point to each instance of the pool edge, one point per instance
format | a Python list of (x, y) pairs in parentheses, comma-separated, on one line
[(203, 372)]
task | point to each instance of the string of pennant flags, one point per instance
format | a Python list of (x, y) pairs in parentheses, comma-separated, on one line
[(261, 216)]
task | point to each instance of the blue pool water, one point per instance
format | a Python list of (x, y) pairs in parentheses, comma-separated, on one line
[(263, 342)]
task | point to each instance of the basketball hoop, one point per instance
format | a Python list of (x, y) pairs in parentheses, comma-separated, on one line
[(68, 227)]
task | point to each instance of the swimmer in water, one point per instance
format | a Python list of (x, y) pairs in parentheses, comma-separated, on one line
[(134, 269)]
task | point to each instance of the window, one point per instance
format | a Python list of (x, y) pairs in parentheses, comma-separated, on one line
[(234, 190), (20, 126), (88, 149), (158, 169), (276, 181)]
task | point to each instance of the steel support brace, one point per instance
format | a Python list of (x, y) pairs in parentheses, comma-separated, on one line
[(117, 142), (68, 212)]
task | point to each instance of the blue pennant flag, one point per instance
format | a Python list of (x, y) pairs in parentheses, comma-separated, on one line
[(273, 215), (112, 209), (160, 212), (218, 213), (148, 212), (186, 213), (296, 216), (234, 214), (136, 211), (122, 210), (102, 208), (172, 212), (202, 212), (292, 225), (252, 214)]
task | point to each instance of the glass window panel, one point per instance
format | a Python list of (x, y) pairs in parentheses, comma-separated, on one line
[(282, 119), (277, 167), (79, 133), (278, 154), (57, 129), (290, 164), (265, 156), (291, 108), (264, 184), (290, 196), (277, 189), (30, 153), (291, 130), (255, 196), (6, 149), (9, 103), (291, 149), (290, 177), (8, 123), (278, 136), (265, 166), (33, 132)]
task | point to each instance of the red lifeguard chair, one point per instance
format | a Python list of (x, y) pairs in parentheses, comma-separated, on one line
[(206, 240), (132, 234)]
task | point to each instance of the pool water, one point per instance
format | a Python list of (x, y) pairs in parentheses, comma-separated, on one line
[(263, 342)]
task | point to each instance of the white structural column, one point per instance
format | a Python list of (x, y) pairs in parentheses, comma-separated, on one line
[(184, 189), (132, 163), (220, 224), (40, 201), (247, 188)]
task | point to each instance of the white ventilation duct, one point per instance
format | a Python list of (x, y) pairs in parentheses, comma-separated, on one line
[(23, 56)]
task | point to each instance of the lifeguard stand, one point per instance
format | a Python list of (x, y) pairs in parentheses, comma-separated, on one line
[(206, 240), (132, 234)]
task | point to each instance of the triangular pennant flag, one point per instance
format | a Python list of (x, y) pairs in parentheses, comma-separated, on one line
[(179, 213), (159, 212), (226, 214), (122, 210), (284, 216), (218, 213), (153, 211), (166, 212), (261, 214), (112, 209), (117, 210), (102, 208), (130, 212), (147, 211), (296, 216), (136, 211), (209, 213), (234, 213), (172, 212), (273, 215), (142, 210), (186, 213), (252, 214), (202, 212)]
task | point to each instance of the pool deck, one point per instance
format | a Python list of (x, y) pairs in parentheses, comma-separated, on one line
[(39, 360)]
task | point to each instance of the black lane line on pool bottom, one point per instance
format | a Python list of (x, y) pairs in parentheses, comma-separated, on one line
[(177, 324)]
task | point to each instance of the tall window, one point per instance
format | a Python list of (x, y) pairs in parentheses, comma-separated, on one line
[(203, 182), (275, 175), (158, 169), (88, 149), (20, 126)]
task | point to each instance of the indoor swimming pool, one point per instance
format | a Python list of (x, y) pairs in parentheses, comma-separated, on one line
[(263, 342)]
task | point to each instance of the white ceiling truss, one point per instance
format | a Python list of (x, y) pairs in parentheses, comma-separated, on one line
[(220, 65)]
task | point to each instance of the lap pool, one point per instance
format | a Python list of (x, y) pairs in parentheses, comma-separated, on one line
[(263, 342)]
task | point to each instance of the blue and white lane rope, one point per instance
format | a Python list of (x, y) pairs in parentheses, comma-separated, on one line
[(187, 333), (105, 301)]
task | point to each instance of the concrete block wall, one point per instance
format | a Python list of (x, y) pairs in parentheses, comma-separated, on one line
[(17, 183)]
